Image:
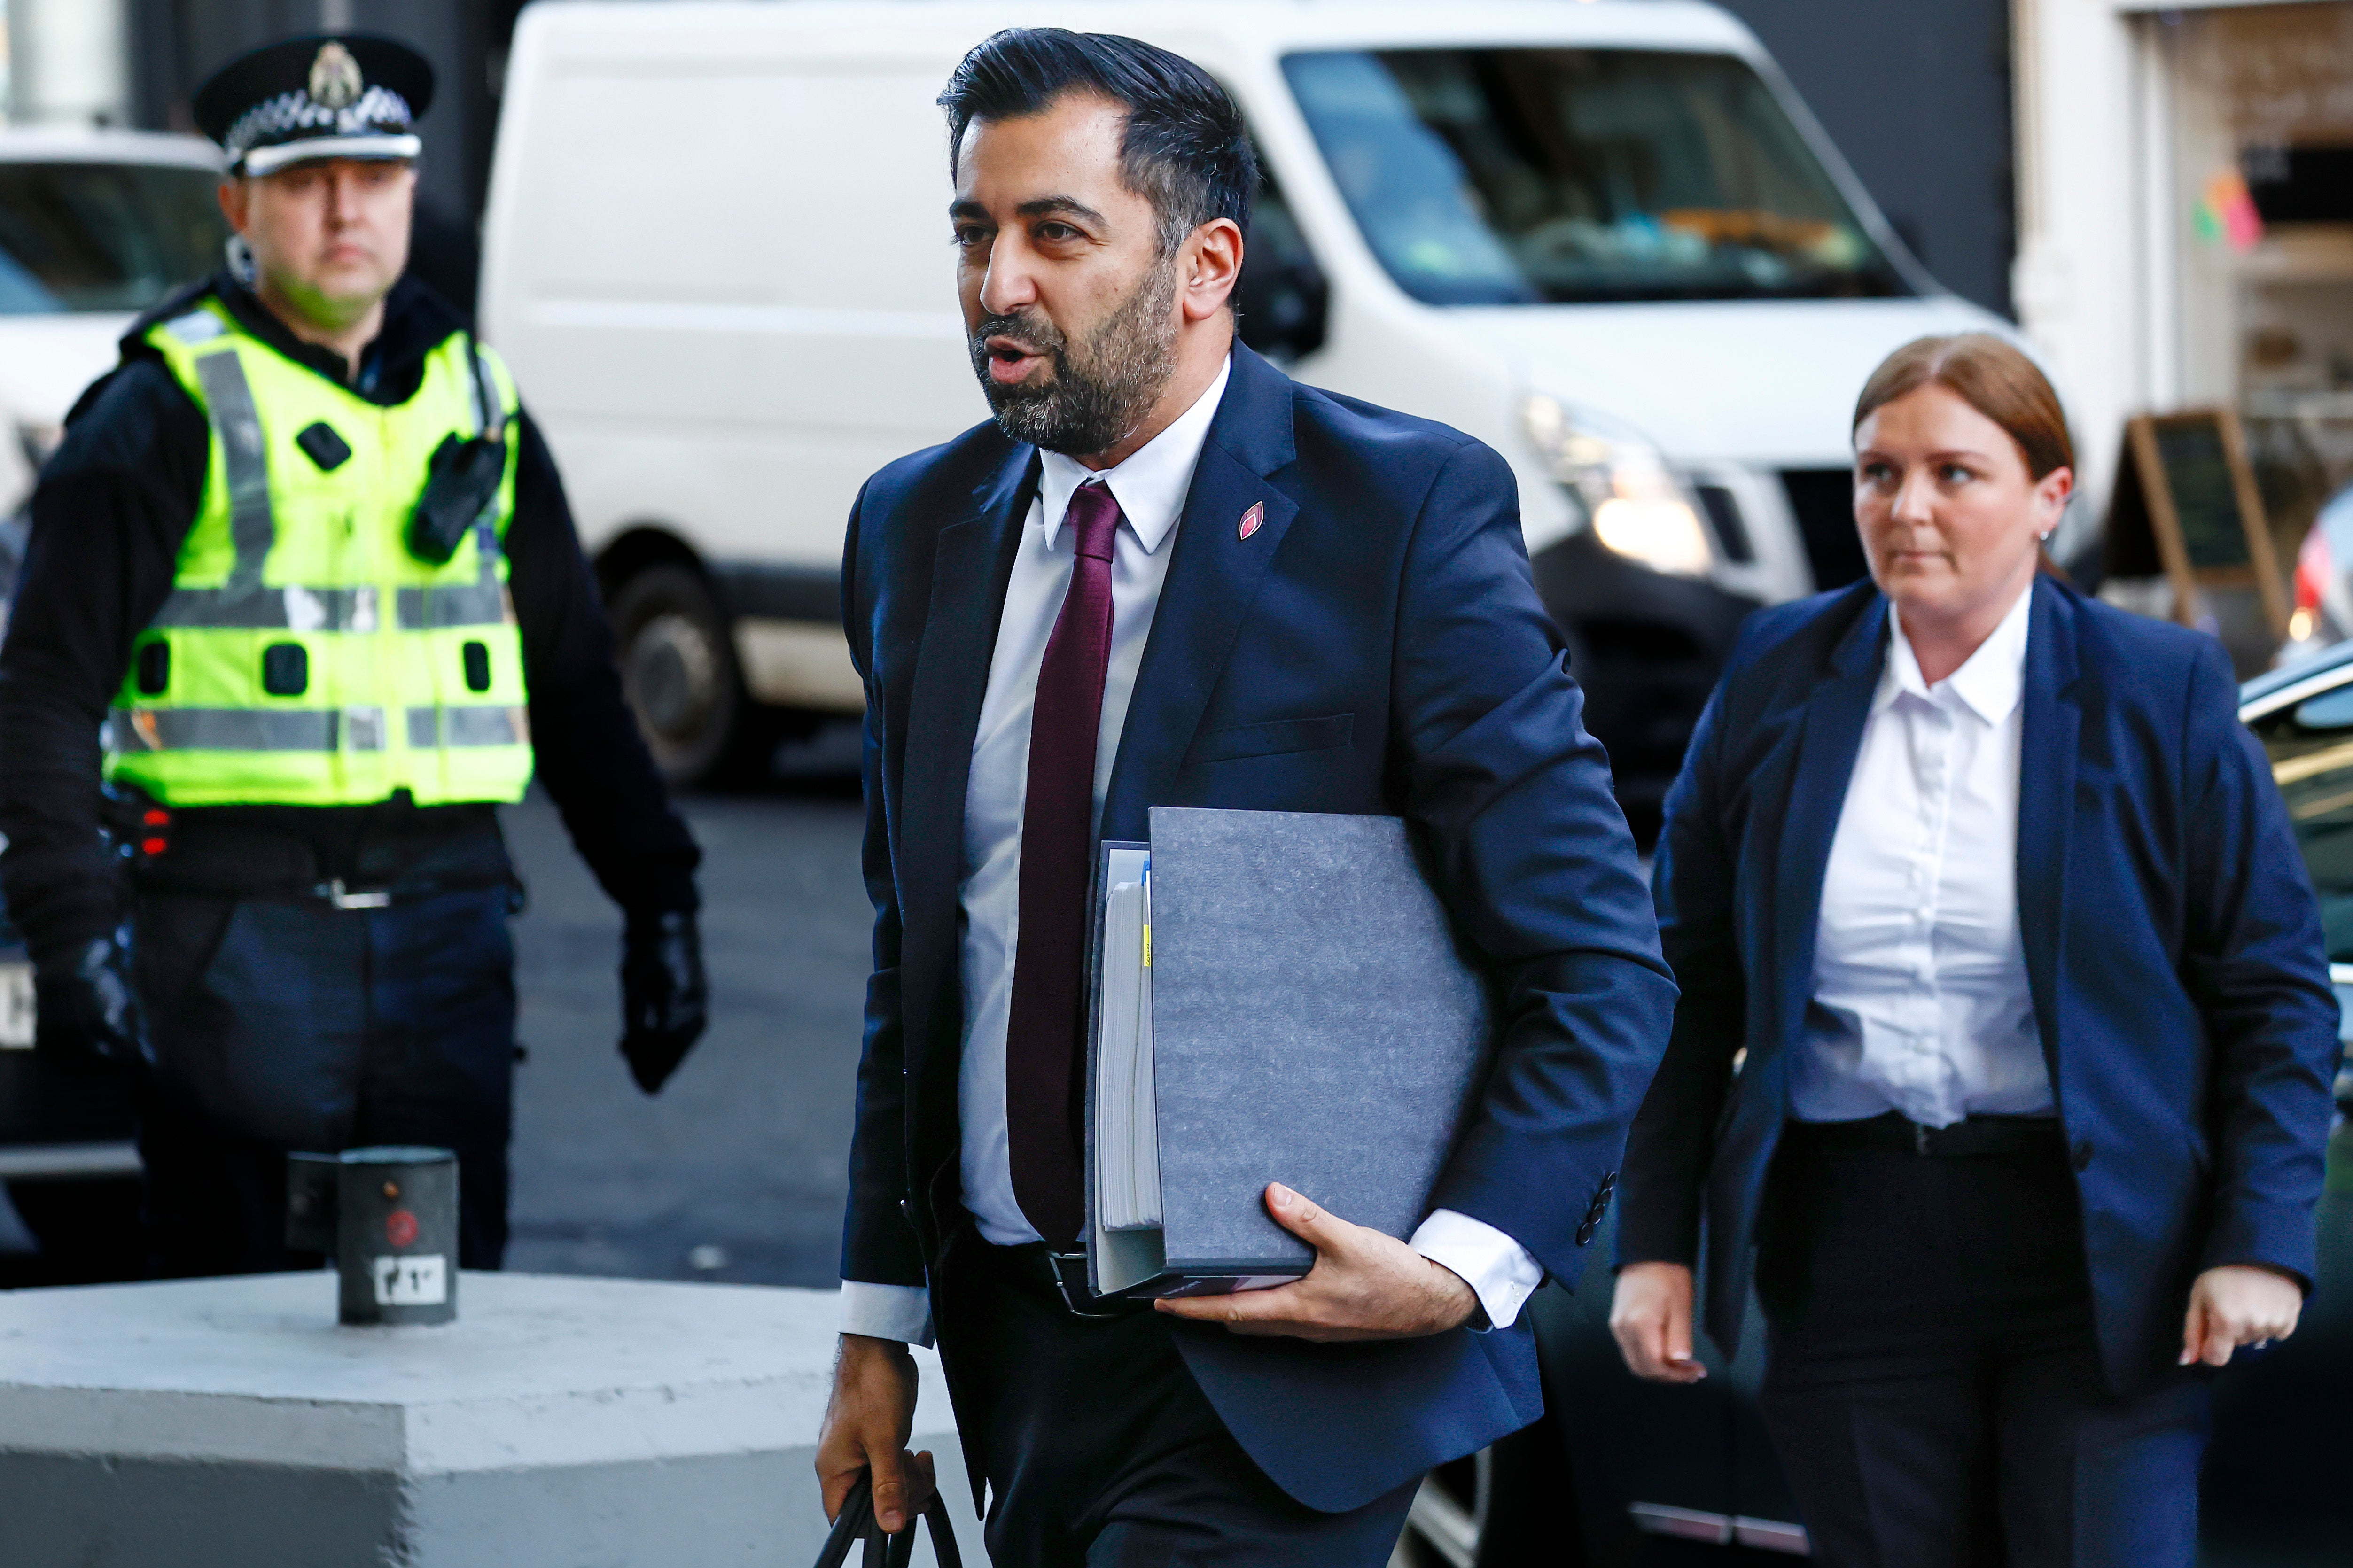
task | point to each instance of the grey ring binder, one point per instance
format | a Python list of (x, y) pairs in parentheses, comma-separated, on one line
[(1308, 1014)]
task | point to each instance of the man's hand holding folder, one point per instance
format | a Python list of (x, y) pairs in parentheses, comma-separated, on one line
[(1365, 1285)]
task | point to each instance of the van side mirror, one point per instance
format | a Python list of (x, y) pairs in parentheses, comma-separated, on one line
[(1282, 294), (1283, 303)]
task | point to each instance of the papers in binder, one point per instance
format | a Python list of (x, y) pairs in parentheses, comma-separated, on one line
[(1127, 1138)]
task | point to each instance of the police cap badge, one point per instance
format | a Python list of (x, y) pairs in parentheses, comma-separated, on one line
[(348, 95)]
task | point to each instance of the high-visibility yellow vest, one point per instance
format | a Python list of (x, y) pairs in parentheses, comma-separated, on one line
[(305, 658)]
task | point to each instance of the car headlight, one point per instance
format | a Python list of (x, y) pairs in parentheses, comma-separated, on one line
[(1636, 504)]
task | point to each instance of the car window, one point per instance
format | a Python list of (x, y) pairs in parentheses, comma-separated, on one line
[(1502, 176), (2310, 744), (103, 237)]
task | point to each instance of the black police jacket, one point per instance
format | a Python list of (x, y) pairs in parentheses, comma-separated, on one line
[(109, 516)]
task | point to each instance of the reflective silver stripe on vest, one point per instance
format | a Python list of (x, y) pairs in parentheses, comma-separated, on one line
[(476, 604), (196, 326), (295, 608), (245, 461), (248, 729), (432, 728)]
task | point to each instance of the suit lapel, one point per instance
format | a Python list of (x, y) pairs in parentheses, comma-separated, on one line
[(2046, 800), (1828, 740), (971, 561), (1212, 579)]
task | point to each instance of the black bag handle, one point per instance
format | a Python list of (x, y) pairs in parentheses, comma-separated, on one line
[(856, 1522)]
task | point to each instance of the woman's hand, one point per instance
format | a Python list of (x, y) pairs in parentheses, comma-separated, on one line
[(1652, 1316), (2238, 1304)]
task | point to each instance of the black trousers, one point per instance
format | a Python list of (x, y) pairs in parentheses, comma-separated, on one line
[(284, 1024), (1101, 1450), (1932, 1381)]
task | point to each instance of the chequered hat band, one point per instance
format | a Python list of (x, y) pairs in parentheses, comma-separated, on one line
[(292, 116)]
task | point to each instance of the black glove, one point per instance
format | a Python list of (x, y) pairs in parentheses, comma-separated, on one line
[(85, 1006), (664, 997)]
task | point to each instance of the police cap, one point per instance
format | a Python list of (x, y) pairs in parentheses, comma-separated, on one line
[(341, 95)]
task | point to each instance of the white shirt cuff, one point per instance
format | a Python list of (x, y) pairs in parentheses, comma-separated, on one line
[(1499, 1270), (902, 1312)]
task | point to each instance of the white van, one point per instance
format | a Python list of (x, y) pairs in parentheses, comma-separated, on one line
[(1605, 238)]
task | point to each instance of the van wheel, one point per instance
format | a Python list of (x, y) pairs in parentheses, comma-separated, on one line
[(678, 673)]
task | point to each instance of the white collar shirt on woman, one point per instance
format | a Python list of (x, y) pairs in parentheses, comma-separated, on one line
[(1920, 1000)]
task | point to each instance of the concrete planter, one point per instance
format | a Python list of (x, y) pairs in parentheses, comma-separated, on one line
[(560, 1423)]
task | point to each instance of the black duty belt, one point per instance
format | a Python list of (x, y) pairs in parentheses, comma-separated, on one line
[(1061, 1278), (1896, 1131), (209, 857)]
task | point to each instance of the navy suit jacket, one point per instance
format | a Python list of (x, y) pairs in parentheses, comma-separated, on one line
[(2173, 948), (1376, 647)]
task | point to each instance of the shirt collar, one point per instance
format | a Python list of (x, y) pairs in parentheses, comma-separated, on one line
[(1149, 485), (1990, 681)]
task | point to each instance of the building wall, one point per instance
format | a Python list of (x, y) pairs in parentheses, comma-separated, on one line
[(2130, 111), (1917, 95)]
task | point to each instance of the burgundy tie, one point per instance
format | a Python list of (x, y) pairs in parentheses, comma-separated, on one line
[(1041, 1045)]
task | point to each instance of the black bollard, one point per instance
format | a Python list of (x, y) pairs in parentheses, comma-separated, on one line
[(388, 1217)]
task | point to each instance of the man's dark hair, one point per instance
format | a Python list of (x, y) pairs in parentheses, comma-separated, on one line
[(1183, 148)]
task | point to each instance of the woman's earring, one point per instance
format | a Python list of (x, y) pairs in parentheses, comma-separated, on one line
[(2044, 536)]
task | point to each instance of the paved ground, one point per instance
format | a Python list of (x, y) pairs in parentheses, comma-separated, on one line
[(744, 1152)]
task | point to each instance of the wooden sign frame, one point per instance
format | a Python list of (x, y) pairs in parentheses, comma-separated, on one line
[(2261, 571)]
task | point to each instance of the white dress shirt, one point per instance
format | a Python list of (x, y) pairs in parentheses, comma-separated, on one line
[(1150, 487), (1920, 995)]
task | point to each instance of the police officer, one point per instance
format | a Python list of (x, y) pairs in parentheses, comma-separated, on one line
[(302, 584)]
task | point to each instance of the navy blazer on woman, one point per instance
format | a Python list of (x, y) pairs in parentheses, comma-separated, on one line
[(2172, 941), (1375, 647)]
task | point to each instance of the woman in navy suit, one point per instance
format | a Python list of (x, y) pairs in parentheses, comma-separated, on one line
[(2006, 1032)]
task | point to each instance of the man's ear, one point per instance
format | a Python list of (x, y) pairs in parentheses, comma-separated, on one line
[(1210, 267), (236, 200)]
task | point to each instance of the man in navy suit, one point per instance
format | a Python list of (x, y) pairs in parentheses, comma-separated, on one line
[(1167, 574)]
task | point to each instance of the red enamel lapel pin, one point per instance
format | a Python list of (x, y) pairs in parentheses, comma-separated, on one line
[(1252, 517)]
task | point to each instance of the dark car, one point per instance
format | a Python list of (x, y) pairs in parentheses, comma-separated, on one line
[(1621, 1471), (67, 1159)]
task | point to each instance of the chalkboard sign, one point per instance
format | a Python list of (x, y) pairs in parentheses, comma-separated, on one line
[(2186, 506), (2196, 468)]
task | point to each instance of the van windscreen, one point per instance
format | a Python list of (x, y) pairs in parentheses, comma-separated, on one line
[(103, 237), (1502, 176)]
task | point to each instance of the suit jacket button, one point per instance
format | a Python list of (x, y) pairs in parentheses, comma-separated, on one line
[(1585, 1234), (1609, 1181), (2082, 1152)]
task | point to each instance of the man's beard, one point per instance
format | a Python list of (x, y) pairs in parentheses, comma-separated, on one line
[(1102, 389)]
